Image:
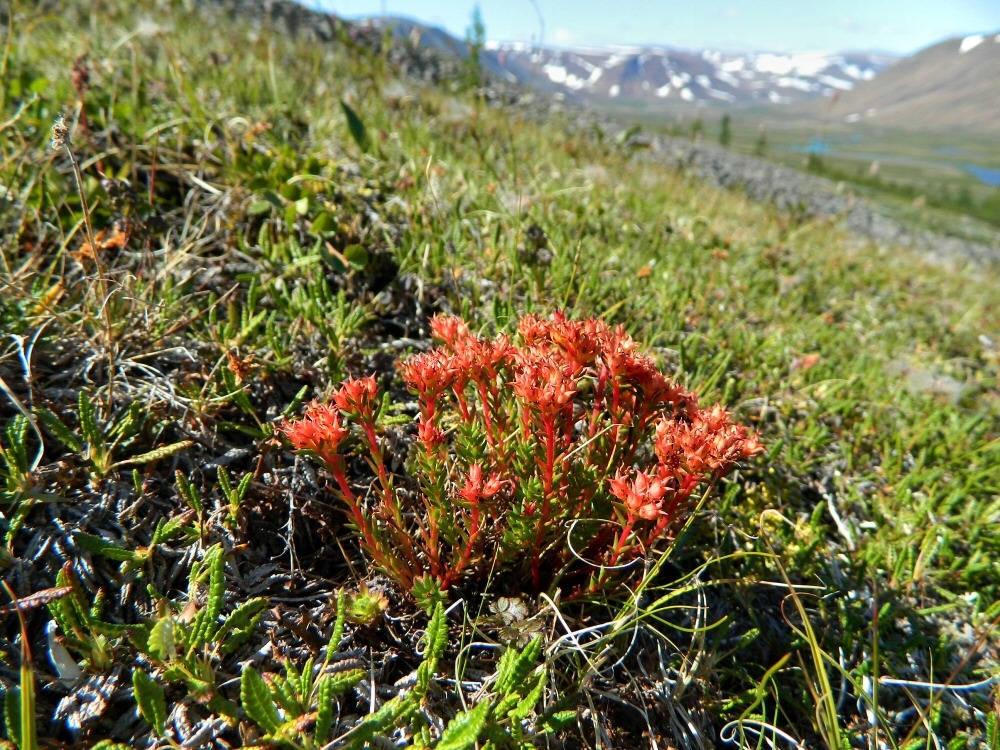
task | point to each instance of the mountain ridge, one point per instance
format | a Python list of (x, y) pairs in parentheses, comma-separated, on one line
[(652, 74), (948, 85)]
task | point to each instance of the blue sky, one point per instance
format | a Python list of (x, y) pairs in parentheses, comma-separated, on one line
[(896, 26)]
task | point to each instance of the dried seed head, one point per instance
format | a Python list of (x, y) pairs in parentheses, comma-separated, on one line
[(60, 134)]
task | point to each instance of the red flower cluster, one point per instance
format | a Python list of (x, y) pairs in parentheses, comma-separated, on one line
[(519, 436)]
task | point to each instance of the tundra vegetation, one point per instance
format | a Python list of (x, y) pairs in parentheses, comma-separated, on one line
[(343, 409)]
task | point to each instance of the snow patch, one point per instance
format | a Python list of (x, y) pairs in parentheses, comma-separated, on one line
[(663, 91), (787, 82), (724, 95), (805, 64), (835, 83), (970, 42), (560, 76), (686, 95), (728, 78), (614, 91), (857, 72), (556, 73)]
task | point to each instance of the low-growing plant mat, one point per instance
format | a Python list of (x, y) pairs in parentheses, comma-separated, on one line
[(233, 219)]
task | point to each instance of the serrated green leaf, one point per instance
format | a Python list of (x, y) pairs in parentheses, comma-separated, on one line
[(12, 714), (283, 692), (256, 700), (188, 491), (306, 677), (463, 731), (157, 454), (338, 626), (168, 529), (107, 549), (512, 672), (225, 484), (161, 642), (435, 642), (326, 696), (526, 706), (88, 422), (240, 624), (61, 431), (436, 638), (206, 621), (149, 696), (342, 681), (558, 721), (355, 126), (393, 713)]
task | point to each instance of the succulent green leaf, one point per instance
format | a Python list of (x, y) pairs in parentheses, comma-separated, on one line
[(256, 699), (357, 256), (338, 626), (323, 223)]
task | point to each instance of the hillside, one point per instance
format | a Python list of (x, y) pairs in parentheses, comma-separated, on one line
[(951, 85), (350, 399)]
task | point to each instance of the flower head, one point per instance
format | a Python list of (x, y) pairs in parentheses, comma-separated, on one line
[(358, 397), (475, 488), (449, 330), (544, 384), (430, 374), (642, 493), (319, 430)]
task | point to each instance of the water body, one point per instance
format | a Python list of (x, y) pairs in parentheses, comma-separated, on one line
[(989, 176), (821, 147)]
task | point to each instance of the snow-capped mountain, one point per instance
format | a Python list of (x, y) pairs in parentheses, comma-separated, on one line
[(669, 75)]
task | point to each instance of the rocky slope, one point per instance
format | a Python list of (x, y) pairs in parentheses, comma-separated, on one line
[(949, 85)]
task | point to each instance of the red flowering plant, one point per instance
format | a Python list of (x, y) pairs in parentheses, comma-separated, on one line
[(558, 455)]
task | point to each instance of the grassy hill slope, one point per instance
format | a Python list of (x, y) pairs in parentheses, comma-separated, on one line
[(238, 219)]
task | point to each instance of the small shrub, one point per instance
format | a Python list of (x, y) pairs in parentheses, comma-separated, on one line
[(560, 455)]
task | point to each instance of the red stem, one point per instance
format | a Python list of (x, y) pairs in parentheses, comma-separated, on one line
[(550, 460)]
